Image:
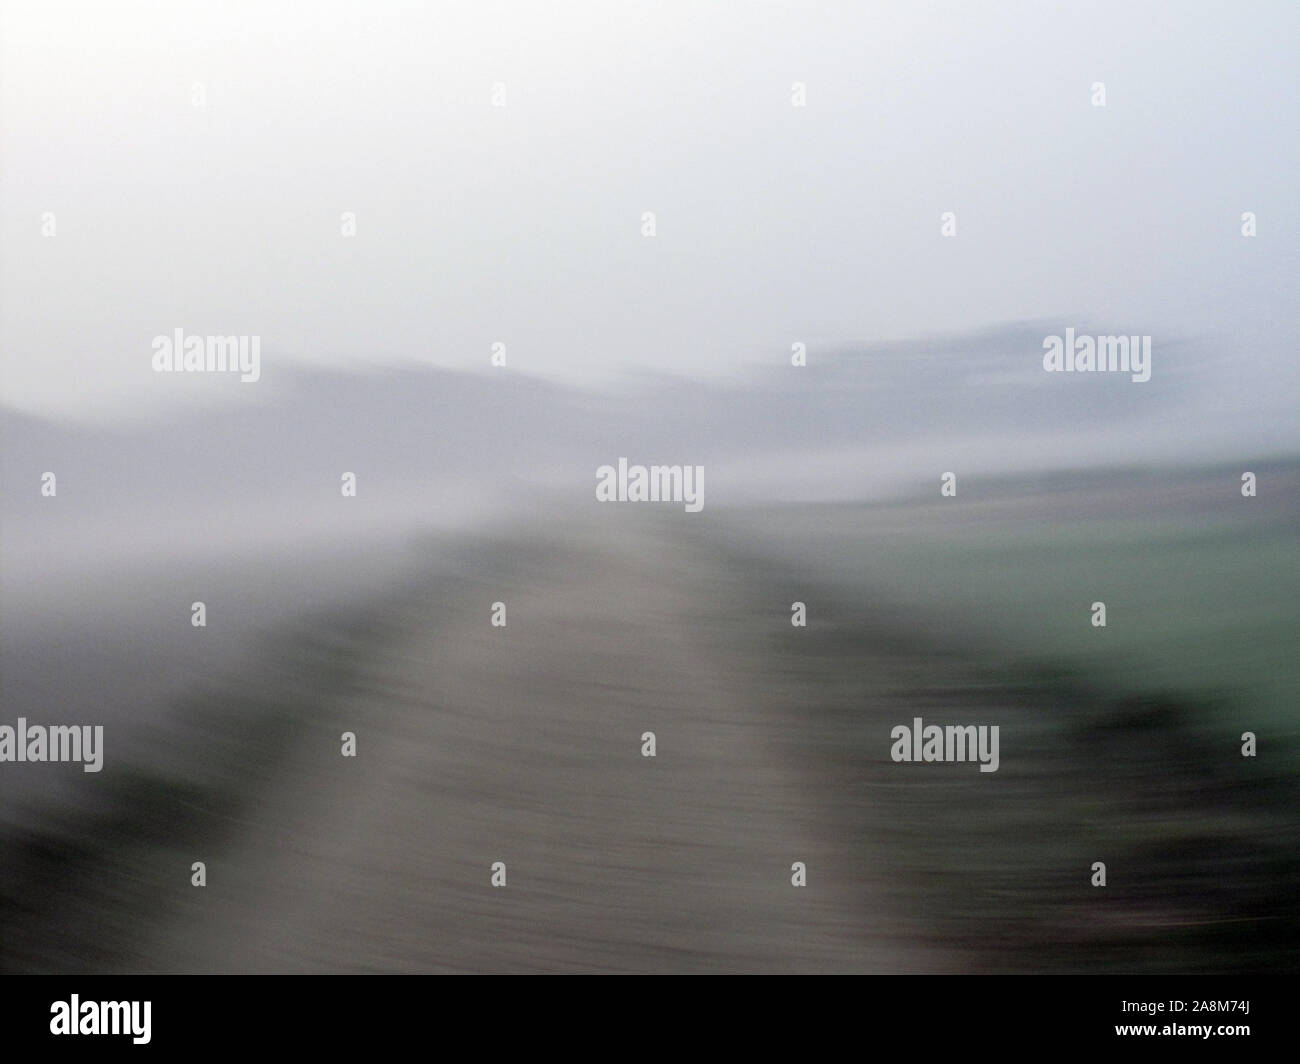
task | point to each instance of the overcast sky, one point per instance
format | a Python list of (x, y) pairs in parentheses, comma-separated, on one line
[(522, 224)]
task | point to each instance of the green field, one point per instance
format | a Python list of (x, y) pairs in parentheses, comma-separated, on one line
[(1207, 608)]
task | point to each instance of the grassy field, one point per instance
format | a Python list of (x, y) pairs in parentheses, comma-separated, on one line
[(1200, 601), (1120, 744)]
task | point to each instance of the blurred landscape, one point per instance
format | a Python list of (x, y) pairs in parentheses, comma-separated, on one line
[(523, 744), (816, 251)]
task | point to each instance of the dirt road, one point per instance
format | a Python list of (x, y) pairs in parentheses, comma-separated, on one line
[(523, 744)]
